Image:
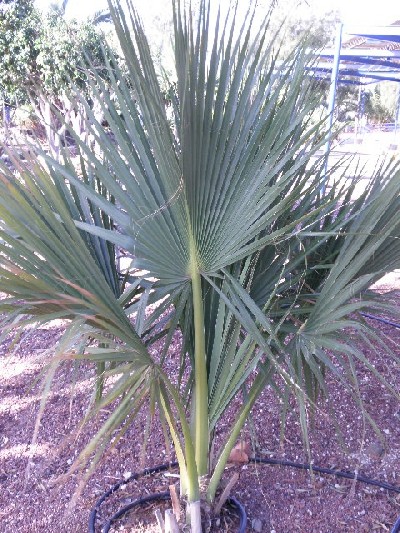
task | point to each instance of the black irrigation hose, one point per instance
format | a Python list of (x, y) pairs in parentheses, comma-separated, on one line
[(338, 473), (166, 496), (396, 527), (159, 496), (241, 512), (139, 501), (232, 501), (147, 471), (383, 320), (331, 471)]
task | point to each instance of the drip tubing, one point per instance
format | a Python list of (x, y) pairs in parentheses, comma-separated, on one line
[(232, 501), (383, 320), (116, 486), (396, 527), (331, 471), (240, 511), (166, 496), (140, 501), (152, 497)]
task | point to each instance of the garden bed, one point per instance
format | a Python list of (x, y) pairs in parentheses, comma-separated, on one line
[(276, 498)]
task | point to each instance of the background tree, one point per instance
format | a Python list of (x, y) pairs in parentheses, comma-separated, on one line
[(382, 102), (44, 56), (19, 23)]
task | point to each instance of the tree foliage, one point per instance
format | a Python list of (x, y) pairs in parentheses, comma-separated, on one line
[(44, 52), (19, 24), (382, 102), (63, 49)]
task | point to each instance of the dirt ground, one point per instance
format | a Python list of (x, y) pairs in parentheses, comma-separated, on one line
[(277, 499)]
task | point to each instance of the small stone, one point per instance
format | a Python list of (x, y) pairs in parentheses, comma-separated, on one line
[(256, 524), (375, 450)]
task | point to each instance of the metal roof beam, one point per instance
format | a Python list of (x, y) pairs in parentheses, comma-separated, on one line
[(352, 52), (371, 31), (360, 74), (360, 71)]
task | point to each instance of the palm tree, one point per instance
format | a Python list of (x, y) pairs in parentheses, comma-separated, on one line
[(214, 189)]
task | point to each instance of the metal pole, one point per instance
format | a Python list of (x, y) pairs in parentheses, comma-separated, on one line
[(331, 99), (357, 119), (397, 118)]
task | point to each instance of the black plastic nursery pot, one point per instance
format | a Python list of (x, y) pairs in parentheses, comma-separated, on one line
[(105, 527)]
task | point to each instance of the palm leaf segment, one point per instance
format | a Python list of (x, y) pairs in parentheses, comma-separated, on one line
[(47, 267), (50, 270), (221, 180)]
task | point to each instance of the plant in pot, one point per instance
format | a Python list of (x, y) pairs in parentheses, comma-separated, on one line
[(214, 188)]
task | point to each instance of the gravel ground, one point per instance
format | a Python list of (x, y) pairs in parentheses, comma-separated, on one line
[(277, 499)]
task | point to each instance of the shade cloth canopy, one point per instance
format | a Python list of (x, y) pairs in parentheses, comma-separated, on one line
[(371, 54)]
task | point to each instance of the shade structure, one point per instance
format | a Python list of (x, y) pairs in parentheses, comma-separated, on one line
[(370, 54)]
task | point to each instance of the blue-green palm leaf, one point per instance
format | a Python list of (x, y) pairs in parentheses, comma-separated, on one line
[(227, 172)]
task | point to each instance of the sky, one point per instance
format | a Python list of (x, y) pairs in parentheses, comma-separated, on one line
[(368, 12), (372, 12)]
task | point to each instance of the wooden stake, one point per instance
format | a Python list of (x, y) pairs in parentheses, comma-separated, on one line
[(171, 525), (160, 520), (176, 506), (225, 494)]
